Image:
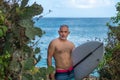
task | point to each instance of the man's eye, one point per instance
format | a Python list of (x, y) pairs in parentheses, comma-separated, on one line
[(65, 31)]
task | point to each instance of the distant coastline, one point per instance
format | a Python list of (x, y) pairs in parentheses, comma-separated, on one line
[(73, 17)]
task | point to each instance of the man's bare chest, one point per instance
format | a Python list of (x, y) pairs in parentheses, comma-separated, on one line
[(63, 48)]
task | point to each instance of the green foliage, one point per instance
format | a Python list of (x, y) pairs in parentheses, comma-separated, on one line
[(17, 58), (117, 18), (29, 12), (37, 50), (50, 69), (27, 77), (2, 17), (15, 67), (4, 62), (30, 30), (1, 33), (24, 3), (3, 30), (28, 64), (110, 70)]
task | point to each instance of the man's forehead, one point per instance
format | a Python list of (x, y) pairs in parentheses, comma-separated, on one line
[(64, 27)]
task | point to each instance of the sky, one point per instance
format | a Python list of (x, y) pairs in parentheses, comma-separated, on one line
[(78, 8)]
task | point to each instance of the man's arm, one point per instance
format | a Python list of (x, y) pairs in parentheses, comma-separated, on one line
[(50, 53), (51, 49), (73, 46)]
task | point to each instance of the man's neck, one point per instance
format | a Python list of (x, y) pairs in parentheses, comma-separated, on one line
[(62, 39)]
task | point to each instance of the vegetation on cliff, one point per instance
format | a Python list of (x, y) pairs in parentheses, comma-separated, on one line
[(17, 30), (111, 70)]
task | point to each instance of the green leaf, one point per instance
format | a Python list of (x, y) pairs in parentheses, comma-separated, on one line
[(43, 72), (1, 32), (50, 69), (7, 55), (37, 50), (30, 11), (29, 63), (38, 77), (31, 31), (39, 58), (5, 29), (24, 3), (15, 66), (2, 18), (27, 77), (27, 49)]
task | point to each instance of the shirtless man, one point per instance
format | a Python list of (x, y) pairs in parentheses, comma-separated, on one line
[(61, 49)]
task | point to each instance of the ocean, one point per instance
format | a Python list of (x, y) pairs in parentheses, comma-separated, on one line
[(81, 31)]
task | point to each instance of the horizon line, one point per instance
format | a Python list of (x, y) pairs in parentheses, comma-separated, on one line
[(71, 17)]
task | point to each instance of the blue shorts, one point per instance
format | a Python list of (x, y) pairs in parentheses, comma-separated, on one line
[(64, 74)]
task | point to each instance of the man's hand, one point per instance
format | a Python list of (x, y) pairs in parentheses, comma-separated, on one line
[(52, 76)]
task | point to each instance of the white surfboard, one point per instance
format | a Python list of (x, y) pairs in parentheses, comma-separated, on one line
[(86, 57)]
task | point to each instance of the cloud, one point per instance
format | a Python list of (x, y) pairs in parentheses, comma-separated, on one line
[(76, 3), (84, 3)]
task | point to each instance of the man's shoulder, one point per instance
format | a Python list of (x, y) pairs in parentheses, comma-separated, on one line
[(70, 42), (54, 41)]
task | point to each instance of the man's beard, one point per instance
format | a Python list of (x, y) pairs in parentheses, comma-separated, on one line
[(63, 38)]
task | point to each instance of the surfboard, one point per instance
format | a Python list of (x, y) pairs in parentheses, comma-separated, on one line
[(86, 57)]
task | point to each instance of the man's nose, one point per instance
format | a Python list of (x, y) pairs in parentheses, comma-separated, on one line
[(63, 33)]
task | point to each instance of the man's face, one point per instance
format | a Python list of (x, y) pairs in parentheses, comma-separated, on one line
[(63, 33)]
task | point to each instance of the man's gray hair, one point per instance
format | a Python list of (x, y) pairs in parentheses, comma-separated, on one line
[(64, 25)]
